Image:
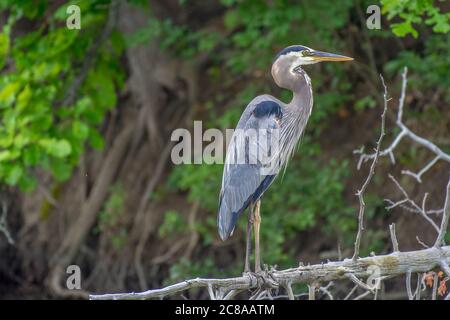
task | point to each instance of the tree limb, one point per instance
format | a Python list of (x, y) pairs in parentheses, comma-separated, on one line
[(3, 224), (406, 132), (391, 265), (445, 217), (360, 193)]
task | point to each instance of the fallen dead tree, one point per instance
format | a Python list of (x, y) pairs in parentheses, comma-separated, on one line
[(378, 267)]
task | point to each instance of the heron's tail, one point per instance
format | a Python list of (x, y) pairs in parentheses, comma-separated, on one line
[(226, 218)]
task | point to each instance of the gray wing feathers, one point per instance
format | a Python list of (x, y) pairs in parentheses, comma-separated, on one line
[(241, 179)]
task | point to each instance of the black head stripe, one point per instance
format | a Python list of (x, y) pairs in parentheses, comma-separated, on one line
[(286, 50)]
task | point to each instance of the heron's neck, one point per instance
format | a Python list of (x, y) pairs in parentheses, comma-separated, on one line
[(299, 83)]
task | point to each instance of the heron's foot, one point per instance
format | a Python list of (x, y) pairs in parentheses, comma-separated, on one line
[(256, 274), (259, 276), (262, 279), (258, 268)]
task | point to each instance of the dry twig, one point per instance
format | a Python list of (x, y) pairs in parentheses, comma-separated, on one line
[(360, 193), (406, 132)]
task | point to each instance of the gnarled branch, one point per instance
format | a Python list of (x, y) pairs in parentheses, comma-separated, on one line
[(391, 265)]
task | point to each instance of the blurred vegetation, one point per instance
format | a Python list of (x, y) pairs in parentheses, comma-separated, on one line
[(296, 201), (415, 12), (36, 131), (109, 218)]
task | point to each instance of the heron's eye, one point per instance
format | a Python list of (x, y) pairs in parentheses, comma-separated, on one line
[(306, 53)]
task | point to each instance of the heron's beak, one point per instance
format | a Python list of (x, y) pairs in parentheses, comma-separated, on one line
[(325, 56)]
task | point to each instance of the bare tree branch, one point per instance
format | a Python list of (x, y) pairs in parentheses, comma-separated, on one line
[(289, 291), (408, 285), (445, 217), (435, 285), (358, 282), (351, 292), (393, 237), (391, 265), (411, 202), (3, 224), (406, 132), (362, 295), (326, 291), (360, 193), (312, 291)]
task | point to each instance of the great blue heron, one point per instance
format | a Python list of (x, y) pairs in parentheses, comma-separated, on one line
[(244, 182)]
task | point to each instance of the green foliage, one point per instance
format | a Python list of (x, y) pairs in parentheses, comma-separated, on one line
[(109, 217), (113, 207), (415, 12), (310, 194), (268, 25), (365, 102), (429, 68), (35, 129), (201, 181), (179, 39), (447, 236), (173, 223)]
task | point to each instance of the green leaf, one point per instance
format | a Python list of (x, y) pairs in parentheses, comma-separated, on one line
[(4, 48), (23, 98), (80, 130), (31, 155), (61, 170), (231, 19), (14, 175), (5, 155), (58, 148), (404, 28), (27, 183), (96, 140), (9, 91), (447, 236), (117, 42), (440, 22)]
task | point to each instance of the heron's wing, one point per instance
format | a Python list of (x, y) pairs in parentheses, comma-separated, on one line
[(246, 173)]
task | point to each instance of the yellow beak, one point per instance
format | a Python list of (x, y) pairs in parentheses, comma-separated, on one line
[(325, 56)]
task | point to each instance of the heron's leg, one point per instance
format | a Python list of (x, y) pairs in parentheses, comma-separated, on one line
[(256, 225), (248, 247)]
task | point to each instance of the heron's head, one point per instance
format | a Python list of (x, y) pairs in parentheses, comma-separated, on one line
[(298, 55), (287, 63)]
